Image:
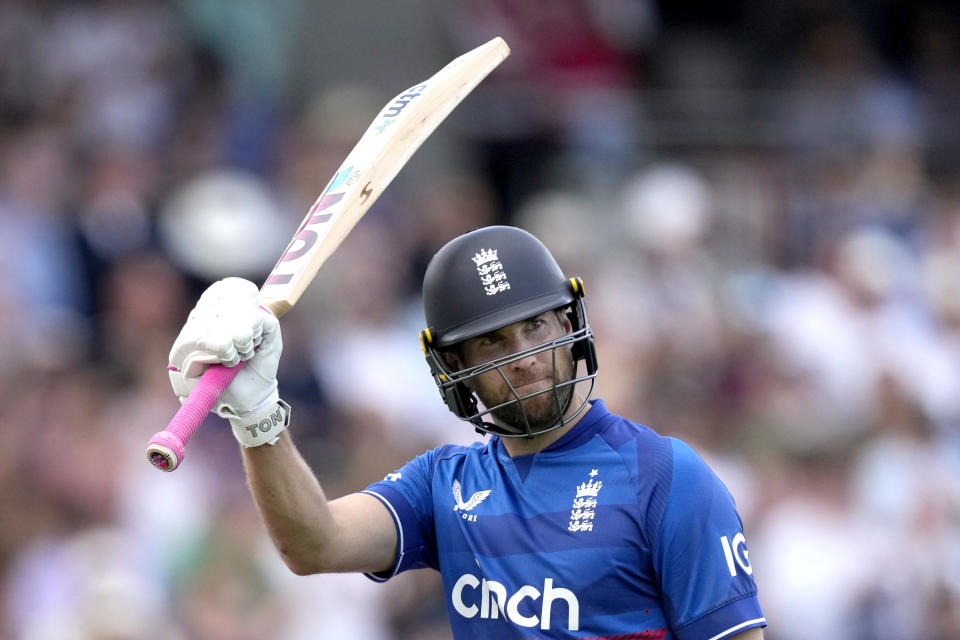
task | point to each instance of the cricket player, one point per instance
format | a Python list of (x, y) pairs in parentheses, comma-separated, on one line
[(568, 522)]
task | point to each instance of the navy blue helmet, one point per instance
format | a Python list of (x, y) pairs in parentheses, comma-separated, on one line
[(491, 278)]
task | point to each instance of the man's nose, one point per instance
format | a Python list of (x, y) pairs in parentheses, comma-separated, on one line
[(520, 343)]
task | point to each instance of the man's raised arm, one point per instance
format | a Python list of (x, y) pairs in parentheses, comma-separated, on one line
[(313, 535)]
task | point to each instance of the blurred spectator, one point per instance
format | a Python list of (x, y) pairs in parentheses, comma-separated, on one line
[(818, 554), (223, 221), (88, 586), (840, 95), (562, 111), (41, 274), (917, 508), (254, 43)]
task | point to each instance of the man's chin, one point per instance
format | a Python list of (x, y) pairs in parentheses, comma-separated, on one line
[(541, 414)]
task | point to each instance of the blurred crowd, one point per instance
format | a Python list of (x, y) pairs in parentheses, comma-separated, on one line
[(763, 201)]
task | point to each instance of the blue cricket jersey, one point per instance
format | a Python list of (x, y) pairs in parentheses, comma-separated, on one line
[(613, 531)]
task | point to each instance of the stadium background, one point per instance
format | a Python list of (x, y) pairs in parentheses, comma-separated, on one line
[(762, 198)]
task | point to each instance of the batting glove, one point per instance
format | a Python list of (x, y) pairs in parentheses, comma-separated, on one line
[(228, 326)]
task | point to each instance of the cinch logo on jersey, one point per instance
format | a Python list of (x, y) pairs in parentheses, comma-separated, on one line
[(472, 596)]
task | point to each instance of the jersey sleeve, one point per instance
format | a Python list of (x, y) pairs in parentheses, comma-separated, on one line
[(701, 555), (407, 495)]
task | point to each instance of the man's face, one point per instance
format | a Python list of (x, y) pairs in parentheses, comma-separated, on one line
[(527, 375)]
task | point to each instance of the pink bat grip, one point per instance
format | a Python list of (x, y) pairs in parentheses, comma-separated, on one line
[(166, 448)]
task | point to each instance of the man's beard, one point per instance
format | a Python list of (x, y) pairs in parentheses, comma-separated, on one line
[(541, 411)]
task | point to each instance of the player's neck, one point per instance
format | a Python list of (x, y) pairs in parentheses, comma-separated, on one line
[(525, 446)]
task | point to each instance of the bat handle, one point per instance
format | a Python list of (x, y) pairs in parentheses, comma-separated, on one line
[(166, 448)]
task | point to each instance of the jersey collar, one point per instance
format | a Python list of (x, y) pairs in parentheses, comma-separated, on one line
[(586, 428)]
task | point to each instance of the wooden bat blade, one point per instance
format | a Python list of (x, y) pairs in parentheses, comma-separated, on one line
[(388, 143)]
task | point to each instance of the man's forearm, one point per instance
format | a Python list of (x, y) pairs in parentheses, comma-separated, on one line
[(291, 503)]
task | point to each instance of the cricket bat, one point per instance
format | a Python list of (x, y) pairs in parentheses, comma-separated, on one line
[(388, 143)]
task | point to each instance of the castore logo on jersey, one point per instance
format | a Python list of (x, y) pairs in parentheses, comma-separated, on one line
[(474, 500)]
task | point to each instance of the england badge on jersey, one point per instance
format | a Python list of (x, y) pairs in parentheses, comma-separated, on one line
[(582, 511)]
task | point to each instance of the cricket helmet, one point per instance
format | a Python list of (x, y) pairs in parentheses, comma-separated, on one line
[(487, 279)]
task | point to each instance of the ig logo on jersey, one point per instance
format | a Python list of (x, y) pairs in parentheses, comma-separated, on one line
[(736, 551)]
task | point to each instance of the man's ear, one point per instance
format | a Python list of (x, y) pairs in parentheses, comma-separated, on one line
[(563, 315), (452, 358)]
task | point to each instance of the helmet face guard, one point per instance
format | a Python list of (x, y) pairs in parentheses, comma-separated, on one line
[(488, 279), (455, 386)]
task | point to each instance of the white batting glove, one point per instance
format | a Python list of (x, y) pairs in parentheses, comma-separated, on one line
[(226, 327)]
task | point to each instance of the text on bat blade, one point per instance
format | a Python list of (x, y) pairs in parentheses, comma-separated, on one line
[(306, 237), (365, 193), (402, 100)]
